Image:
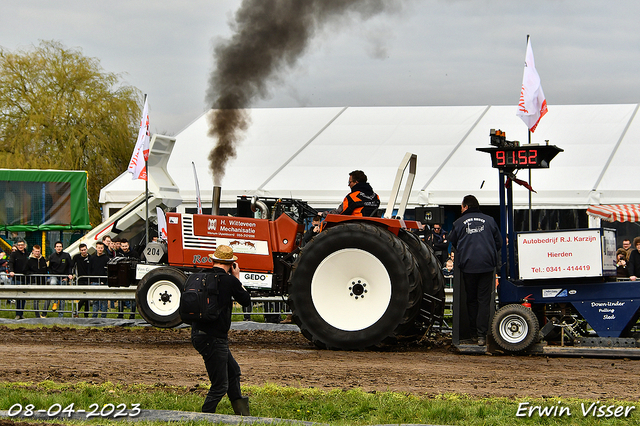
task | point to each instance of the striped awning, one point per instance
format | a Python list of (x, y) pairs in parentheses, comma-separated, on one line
[(616, 212)]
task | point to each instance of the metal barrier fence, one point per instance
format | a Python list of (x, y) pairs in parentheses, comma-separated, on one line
[(271, 308), (42, 294), (89, 295)]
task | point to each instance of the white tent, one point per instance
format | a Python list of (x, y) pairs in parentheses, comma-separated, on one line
[(307, 153)]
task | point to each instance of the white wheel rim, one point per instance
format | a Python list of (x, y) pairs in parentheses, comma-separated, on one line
[(163, 298), (351, 289), (514, 328)]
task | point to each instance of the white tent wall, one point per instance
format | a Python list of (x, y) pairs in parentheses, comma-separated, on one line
[(620, 177), (307, 153)]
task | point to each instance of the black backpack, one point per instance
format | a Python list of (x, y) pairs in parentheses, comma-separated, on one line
[(199, 300)]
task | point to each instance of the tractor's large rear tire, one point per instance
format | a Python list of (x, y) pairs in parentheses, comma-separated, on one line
[(354, 286), (158, 296), (433, 297)]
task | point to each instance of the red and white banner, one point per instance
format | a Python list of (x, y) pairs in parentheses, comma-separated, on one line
[(140, 154), (162, 224), (533, 105)]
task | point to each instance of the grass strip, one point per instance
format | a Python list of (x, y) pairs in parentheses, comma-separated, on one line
[(335, 407)]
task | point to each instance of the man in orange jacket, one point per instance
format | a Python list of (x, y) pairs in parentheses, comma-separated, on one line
[(361, 201)]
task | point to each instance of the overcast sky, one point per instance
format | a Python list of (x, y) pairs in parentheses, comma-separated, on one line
[(432, 52)]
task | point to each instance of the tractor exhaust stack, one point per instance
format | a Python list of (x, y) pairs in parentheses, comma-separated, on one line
[(215, 207)]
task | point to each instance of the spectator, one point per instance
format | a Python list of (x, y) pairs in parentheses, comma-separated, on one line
[(4, 259), (81, 267), (125, 251), (361, 201), (422, 231), (97, 270), (60, 267), (109, 250), (108, 246), (81, 263), (447, 271), (18, 265), (477, 240), (621, 263), (633, 265), (437, 240), (37, 265), (626, 246), (116, 245), (313, 231)]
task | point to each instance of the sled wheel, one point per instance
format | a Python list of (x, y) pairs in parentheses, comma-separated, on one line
[(433, 297), (515, 327), (352, 287), (158, 296)]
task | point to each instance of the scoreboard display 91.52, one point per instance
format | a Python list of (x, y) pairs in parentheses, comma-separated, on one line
[(522, 157)]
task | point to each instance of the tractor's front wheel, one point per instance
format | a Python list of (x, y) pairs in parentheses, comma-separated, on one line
[(158, 296), (353, 286)]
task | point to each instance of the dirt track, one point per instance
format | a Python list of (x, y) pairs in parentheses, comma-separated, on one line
[(154, 356)]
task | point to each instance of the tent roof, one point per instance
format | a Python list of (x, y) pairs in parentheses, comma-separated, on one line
[(308, 152)]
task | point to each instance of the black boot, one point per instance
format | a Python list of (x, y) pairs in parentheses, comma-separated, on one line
[(241, 406)]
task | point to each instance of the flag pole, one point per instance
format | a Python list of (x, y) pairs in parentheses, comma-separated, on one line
[(529, 131), (136, 167), (532, 106), (146, 193), (530, 211), (146, 201)]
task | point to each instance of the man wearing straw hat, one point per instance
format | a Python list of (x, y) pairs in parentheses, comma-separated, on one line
[(210, 338)]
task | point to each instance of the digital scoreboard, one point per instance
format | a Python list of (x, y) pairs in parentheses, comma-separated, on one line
[(522, 157), (508, 155)]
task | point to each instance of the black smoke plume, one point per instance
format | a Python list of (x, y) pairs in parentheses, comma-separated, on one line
[(269, 38)]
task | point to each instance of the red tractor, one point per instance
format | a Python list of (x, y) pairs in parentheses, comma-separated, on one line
[(358, 283)]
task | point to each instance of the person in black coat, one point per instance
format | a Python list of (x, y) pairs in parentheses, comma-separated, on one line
[(37, 265), (60, 267), (437, 239), (313, 231), (80, 266), (621, 263), (633, 265), (97, 270), (210, 338), (477, 240), (18, 265), (125, 251)]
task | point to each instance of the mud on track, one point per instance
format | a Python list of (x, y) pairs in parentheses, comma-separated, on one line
[(154, 356)]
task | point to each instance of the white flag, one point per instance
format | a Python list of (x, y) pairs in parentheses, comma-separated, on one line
[(162, 224), (141, 152), (533, 105), (198, 199)]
